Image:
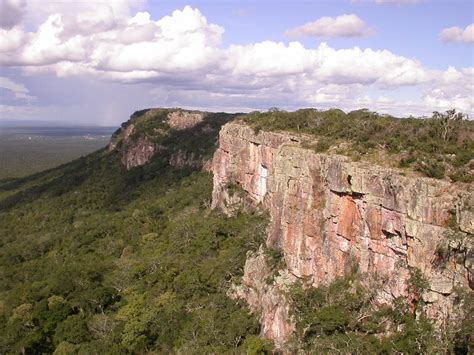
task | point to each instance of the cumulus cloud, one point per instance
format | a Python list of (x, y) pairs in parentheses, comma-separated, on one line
[(327, 27), (183, 41), (18, 90), (457, 34), (372, 67), (12, 12), (82, 13), (182, 57)]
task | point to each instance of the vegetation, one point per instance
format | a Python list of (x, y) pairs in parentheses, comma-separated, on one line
[(275, 260), (440, 146), (343, 317), (97, 259), (121, 262), (455, 245), (200, 140)]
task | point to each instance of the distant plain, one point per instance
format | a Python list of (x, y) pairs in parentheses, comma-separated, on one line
[(28, 150)]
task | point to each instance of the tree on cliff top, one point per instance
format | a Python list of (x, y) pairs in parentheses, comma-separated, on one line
[(449, 122)]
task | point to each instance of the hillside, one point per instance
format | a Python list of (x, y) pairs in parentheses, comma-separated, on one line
[(98, 259), (168, 241)]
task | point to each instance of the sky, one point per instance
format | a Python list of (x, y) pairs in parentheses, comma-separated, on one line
[(96, 62)]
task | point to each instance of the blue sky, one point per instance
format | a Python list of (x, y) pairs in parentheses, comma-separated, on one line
[(96, 62)]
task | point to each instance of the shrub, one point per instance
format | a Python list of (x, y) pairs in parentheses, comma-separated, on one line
[(257, 346), (342, 317), (429, 140)]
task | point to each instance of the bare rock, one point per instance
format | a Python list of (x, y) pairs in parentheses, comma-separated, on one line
[(184, 119), (138, 153), (329, 214), (266, 298)]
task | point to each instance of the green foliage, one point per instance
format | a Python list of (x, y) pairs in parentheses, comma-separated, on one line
[(72, 330), (431, 168), (324, 143), (417, 282), (96, 259), (406, 162), (198, 142), (275, 260), (149, 122), (460, 337), (234, 189), (343, 317), (433, 146), (256, 346)]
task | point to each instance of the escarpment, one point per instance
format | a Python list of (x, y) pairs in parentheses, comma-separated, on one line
[(329, 214), (185, 139)]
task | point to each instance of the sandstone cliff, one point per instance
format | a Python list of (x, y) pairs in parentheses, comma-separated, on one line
[(184, 138), (329, 214)]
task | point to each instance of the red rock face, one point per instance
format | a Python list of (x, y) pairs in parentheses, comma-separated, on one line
[(329, 214), (139, 153)]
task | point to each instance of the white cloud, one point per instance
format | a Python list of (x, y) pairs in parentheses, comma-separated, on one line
[(181, 42), (327, 27), (181, 56), (18, 90), (12, 41), (267, 58), (350, 66), (457, 34), (83, 13)]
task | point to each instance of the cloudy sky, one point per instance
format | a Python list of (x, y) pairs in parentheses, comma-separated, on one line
[(94, 61)]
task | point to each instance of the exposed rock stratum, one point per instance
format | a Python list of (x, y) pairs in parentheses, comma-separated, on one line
[(329, 214), (137, 149)]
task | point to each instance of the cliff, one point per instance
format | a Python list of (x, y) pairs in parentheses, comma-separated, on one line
[(182, 138), (330, 214)]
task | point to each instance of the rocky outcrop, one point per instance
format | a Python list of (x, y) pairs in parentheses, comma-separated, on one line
[(329, 214), (138, 149), (184, 119), (138, 153), (135, 152), (266, 297)]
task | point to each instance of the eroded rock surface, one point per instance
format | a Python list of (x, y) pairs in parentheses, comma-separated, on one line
[(266, 297), (138, 153), (138, 149), (184, 119), (135, 152), (329, 214)]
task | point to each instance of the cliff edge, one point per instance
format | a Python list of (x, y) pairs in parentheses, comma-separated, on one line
[(329, 215)]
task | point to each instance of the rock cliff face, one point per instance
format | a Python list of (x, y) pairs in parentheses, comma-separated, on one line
[(329, 214), (138, 150)]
